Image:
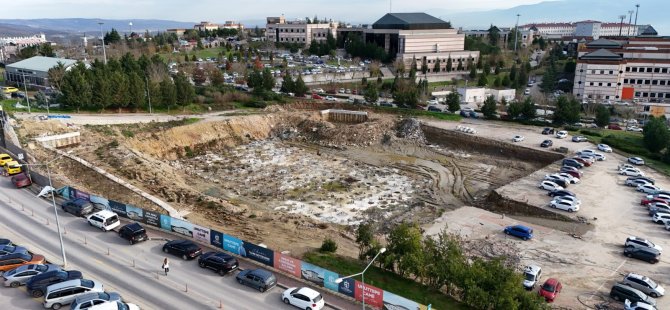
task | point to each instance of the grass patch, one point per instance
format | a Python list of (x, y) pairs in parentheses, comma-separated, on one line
[(385, 280), (334, 186)]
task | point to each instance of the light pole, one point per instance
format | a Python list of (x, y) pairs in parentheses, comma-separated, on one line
[(362, 274), (621, 24), (148, 93), (102, 37), (630, 20), (25, 88), (53, 202), (637, 7), (516, 31)]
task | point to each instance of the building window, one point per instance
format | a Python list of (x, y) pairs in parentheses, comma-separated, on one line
[(609, 84), (602, 71), (667, 95), (654, 82), (661, 82), (664, 70), (634, 69), (611, 72), (590, 83), (657, 70), (647, 82), (652, 95), (645, 95), (607, 97), (627, 69), (625, 81), (637, 94), (600, 84), (649, 70)]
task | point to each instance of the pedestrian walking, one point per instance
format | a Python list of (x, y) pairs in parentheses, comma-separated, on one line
[(166, 266)]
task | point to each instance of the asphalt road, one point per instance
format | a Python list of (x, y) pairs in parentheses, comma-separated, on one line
[(133, 271)]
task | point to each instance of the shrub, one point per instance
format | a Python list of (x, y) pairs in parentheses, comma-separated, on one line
[(590, 133), (626, 144), (328, 246), (256, 104), (570, 128), (127, 133)]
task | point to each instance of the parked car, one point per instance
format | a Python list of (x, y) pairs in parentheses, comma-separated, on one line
[(647, 254), (186, 249), (600, 157), (621, 292), (583, 161), (259, 279), (659, 207), (572, 169), (561, 134), (64, 293), (115, 305), (520, 231), (634, 129), (647, 179), (560, 181), (133, 232), (647, 201), (220, 262), (571, 162), (637, 305), (531, 275), (13, 167), (605, 148), (88, 300), (12, 249), (518, 138), (434, 109), (579, 139), (550, 289), (549, 186), (21, 180), (330, 98), (613, 127), (633, 182), (548, 131), (647, 188), (303, 298), (636, 161), (566, 205), (38, 284), (631, 172), (638, 242), (20, 275), (643, 284), (78, 206), (4, 159), (660, 218), (561, 192), (571, 178), (546, 143), (571, 199), (105, 220)]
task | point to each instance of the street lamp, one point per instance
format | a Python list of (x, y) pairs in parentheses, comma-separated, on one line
[(516, 31), (362, 274), (53, 201), (102, 36)]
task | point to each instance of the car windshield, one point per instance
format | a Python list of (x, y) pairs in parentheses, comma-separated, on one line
[(548, 287), (529, 276), (122, 306), (87, 283), (41, 268)]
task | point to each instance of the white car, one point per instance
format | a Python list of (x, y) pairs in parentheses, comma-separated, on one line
[(586, 152), (561, 134), (551, 177), (600, 157), (572, 179), (660, 218), (571, 199), (330, 98), (565, 205), (647, 188), (549, 186), (605, 148), (114, 305), (105, 220), (638, 305), (518, 138), (636, 161), (303, 298), (631, 172), (634, 128)]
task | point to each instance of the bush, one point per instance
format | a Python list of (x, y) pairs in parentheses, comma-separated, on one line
[(256, 104), (627, 144), (570, 128), (590, 133), (328, 246)]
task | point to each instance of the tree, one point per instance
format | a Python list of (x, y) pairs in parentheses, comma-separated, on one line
[(459, 67), (497, 82), (548, 80), (27, 52), (365, 236), (287, 85), (199, 76), (76, 88), (506, 81), (300, 88), (328, 246), (268, 80), (424, 66), (56, 75), (370, 93), (512, 73), (528, 109), (542, 43), (168, 93), (112, 37), (135, 91), (46, 50), (102, 97), (405, 248), (449, 64), (453, 102), (489, 108), (655, 134), (412, 70), (216, 77), (494, 35), (567, 111), (183, 90), (479, 62), (473, 72), (602, 116), (406, 93), (483, 80), (570, 67), (193, 58), (120, 93), (514, 109), (436, 68)]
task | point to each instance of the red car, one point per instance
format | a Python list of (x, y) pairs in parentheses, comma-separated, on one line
[(586, 163), (550, 289), (614, 127), (21, 180), (573, 173), (646, 201), (315, 96)]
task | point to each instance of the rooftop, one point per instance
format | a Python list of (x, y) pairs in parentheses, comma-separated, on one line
[(602, 54), (604, 43), (40, 63), (410, 21)]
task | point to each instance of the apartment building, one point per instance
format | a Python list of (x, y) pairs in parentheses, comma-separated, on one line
[(634, 68), (586, 28), (279, 30)]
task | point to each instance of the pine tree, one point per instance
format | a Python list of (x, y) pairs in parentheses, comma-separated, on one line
[(168, 93), (436, 69), (300, 88), (449, 64)]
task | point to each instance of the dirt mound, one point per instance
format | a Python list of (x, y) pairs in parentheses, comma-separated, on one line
[(410, 129), (33, 129)]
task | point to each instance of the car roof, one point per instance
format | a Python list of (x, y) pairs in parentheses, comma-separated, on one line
[(261, 273), (551, 281), (532, 269), (310, 293), (105, 213), (134, 226), (68, 283)]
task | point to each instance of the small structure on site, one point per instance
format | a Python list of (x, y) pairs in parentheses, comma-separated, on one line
[(59, 141), (344, 116)]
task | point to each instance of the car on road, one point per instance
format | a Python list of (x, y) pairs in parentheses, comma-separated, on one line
[(259, 279), (637, 305), (88, 300), (550, 289), (21, 180), (561, 134), (646, 254), (647, 188), (636, 161), (9, 89), (579, 139), (13, 167), (561, 192), (186, 249), (527, 91), (531, 275), (634, 129), (647, 179), (303, 298), (19, 276), (78, 206), (518, 138), (330, 98), (660, 218), (566, 205), (38, 284), (621, 292), (4, 159), (64, 293), (605, 148), (133, 232), (637, 242), (635, 182), (105, 220), (548, 131), (519, 231), (546, 143), (631, 172), (115, 305), (220, 262), (644, 284), (549, 185)]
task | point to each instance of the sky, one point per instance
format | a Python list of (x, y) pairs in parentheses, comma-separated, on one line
[(219, 11)]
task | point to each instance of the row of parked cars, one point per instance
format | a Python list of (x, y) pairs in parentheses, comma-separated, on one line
[(56, 286), (219, 262)]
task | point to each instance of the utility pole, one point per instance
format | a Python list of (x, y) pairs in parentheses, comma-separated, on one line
[(516, 31), (25, 88), (102, 37), (637, 7), (148, 92), (630, 20), (621, 24)]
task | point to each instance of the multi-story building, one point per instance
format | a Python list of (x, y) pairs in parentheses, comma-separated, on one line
[(202, 26), (34, 71), (526, 36), (279, 30), (586, 28), (637, 67), (230, 24), (24, 41)]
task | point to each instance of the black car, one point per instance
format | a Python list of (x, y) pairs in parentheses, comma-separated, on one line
[(572, 163), (38, 284), (647, 254), (548, 131), (259, 279), (546, 143), (434, 109), (133, 232), (185, 248), (560, 182), (78, 206), (647, 179), (5, 242), (222, 263), (621, 292), (561, 192)]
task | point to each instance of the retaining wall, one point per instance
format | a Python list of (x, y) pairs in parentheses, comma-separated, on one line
[(497, 203)]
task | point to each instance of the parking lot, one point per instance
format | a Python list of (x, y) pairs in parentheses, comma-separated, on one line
[(584, 265)]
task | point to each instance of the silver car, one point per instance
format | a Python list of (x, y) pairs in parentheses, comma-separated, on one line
[(644, 284), (89, 300), (20, 276)]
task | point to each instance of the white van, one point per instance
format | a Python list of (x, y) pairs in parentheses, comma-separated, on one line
[(105, 220), (64, 293)]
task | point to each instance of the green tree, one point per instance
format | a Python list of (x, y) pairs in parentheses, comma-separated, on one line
[(424, 66), (570, 67), (483, 80), (168, 93), (512, 73), (136, 87), (436, 68), (120, 89), (184, 91), (473, 72), (655, 134), (459, 66), (102, 97), (567, 111), (328, 246), (405, 248), (365, 236), (300, 88), (56, 75), (494, 35), (548, 80), (112, 37), (602, 116), (487, 68), (216, 77), (406, 93), (287, 85), (193, 58), (528, 110), (449, 64), (514, 109), (506, 81), (542, 43), (497, 82), (453, 102), (46, 50), (268, 80), (27, 52), (489, 108), (370, 93), (76, 88)]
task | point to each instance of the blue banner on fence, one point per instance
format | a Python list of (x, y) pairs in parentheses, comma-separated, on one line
[(319, 276), (166, 222), (347, 287), (259, 253), (216, 238), (135, 213), (234, 245), (152, 218), (119, 208), (393, 301)]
